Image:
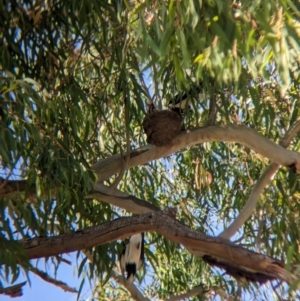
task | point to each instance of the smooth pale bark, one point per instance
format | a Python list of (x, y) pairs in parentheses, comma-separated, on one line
[(121, 199), (135, 294), (259, 187), (228, 133), (199, 244)]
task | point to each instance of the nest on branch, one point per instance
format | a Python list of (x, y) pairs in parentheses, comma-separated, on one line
[(162, 126)]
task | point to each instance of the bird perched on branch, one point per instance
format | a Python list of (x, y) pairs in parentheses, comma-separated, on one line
[(132, 257), (181, 101)]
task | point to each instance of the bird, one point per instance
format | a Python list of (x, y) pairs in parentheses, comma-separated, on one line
[(181, 101), (132, 257)]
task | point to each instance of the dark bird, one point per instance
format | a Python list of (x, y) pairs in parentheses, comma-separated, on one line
[(132, 257)]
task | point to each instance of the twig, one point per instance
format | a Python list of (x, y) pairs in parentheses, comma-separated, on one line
[(61, 259), (51, 280), (146, 89), (128, 148), (132, 289), (134, 292), (198, 290), (212, 106), (156, 88), (259, 230), (13, 291), (109, 129), (5, 180), (123, 165)]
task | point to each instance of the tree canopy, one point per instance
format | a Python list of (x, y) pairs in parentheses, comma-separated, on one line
[(78, 175)]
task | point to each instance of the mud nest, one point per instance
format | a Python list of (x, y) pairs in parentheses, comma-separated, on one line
[(162, 126)]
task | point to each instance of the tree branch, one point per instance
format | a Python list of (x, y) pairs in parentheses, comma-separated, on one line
[(251, 203), (13, 291), (235, 260), (134, 292), (121, 199), (230, 133), (51, 280), (260, 185), (12, 189), (198, 290), (138, 296), (128, 147)]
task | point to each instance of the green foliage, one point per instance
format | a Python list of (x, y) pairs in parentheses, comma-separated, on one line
[(67, 70)]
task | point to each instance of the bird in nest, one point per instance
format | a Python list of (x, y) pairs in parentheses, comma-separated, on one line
[(162, 126), (132, 257)]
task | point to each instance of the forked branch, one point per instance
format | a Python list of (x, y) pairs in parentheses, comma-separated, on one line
[(260, 185)]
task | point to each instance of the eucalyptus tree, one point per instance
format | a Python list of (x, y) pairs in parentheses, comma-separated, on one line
[(76, 78)]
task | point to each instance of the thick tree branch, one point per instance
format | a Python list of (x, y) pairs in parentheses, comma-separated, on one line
[(230, 133), (259, 187), (217, 251)]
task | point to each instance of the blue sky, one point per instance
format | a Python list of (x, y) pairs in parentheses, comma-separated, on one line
[(41, 290)]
